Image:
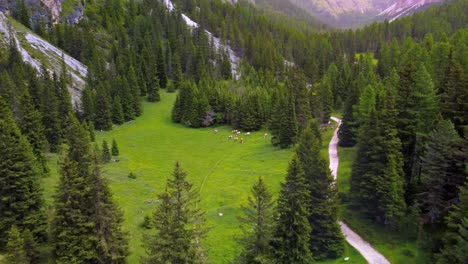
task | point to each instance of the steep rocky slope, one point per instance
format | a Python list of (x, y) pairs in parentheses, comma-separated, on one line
[(352, 13), (37, 52), (70, 11)]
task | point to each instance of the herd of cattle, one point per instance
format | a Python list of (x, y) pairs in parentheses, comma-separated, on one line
[(236, 135)]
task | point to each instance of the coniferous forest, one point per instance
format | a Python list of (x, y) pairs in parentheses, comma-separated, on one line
[(399, 88)]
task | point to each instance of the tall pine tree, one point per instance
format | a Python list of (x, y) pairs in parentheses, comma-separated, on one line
[(257, 225), (292, 235), (178, 224), (326, 240), (20, 194)]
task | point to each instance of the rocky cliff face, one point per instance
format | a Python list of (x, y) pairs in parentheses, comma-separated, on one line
[(404, 7), (47, 10), (351, 13)]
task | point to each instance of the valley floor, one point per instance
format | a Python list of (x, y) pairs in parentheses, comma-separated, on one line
[(222, 170)]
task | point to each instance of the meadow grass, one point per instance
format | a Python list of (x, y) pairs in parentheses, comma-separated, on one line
[(221, 170)]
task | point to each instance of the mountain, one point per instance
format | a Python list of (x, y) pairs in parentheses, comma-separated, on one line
[(38, 52), (354, 13), (54, 11), (404, 7)]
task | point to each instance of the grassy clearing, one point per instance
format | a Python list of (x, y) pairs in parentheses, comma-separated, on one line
[(221, 170), (395, 246), (351, 253)]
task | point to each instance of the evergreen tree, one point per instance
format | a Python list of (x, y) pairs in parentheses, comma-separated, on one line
[(442, 172), (453, 95), (105, 155), (176, 71), (161, 67), (135, 91), (178, 224), (257, 225), (455, 240), (24, 14), (377, 176), (153, 91), (30, 124), (283, 122), (348, 129), (117, 111), (112, 246), (50, 114), (326, 240), (115, 148), (103, 117), (297, 89), (31, 247), (73, 237), (87, 224), (15, 253), (20, 195), (292, 235)]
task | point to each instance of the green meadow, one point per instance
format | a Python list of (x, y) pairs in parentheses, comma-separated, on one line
[(221, 170)]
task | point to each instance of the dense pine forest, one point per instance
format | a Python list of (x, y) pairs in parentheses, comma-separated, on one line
[(400, 89)]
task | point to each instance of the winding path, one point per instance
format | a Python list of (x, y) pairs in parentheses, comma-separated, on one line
[(367, 251)]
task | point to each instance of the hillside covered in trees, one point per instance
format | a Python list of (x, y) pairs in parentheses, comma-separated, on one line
[(400, 87)]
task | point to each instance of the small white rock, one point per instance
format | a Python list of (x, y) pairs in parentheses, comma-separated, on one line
[(220, 214)]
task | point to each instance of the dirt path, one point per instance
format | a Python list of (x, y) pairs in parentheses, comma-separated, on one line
[(367, 251)]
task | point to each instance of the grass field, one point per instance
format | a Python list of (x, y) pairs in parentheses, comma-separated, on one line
[(221, 170), (395, 246)]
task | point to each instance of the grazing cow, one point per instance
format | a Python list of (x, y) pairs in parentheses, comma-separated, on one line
[(238, 133), (265, 135), (247, 134), (241, 141), (235, 131), (235, 139), (229, 137), (215, 131)]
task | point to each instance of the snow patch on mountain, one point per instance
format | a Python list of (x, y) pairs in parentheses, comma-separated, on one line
[(216, 41), (405, 7)]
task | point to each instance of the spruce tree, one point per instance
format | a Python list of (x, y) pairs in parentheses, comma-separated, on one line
[(73, 237), (31, 247), (455, 240), (153, 91), (442, 172), (15, 253), (117, 111), (178, 224), (283, 122), (106, 154), (176, 72), (20, 194), (87, 224), (377, 175), (112, 246), (292, 235), (257, 224), (115, 148), (103, 117), (135, 91), (326, 240), (30, 124), (50, 114), (161, 67)]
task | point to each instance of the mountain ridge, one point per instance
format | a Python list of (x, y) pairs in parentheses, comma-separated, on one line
[(355, 13)]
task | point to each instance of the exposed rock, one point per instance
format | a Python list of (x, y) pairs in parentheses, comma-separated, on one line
[(46, 11)]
